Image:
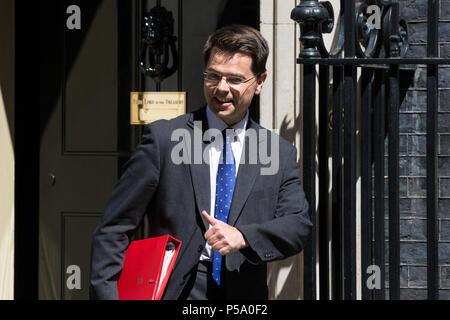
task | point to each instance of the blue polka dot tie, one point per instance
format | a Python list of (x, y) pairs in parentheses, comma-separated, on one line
[(225, 182)]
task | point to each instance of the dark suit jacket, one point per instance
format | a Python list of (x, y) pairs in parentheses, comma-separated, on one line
[(270, 210)]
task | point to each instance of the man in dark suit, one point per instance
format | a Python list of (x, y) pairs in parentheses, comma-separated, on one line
[(223, 185)]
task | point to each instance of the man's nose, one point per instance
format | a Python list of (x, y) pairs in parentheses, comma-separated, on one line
[(223, 85)]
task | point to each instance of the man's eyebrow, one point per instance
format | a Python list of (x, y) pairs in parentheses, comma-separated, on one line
[(227, 75)]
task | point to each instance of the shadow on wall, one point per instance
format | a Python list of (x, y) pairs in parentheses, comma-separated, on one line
[(285, 278)]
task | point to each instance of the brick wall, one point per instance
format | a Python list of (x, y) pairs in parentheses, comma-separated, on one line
[(413, 257)]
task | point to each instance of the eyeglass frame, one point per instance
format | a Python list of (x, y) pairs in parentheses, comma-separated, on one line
[(205, 74)]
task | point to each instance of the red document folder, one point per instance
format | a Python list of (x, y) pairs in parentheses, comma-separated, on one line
[(147, 267)]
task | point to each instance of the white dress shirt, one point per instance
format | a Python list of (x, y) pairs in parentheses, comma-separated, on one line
[(215, 151)]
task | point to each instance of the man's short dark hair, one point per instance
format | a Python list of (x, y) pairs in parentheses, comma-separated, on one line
[(241, 39)]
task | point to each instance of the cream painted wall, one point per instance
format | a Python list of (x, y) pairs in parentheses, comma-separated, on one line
[(6, 207), (6, 150)]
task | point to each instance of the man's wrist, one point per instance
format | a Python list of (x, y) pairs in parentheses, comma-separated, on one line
[(245, 243)]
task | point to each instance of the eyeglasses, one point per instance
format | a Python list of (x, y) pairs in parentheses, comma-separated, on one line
[(233, 81)]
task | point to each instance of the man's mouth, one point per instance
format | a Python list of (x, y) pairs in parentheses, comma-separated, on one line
[(224, 101)]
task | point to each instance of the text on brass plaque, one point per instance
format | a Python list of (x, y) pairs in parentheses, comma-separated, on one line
[(146, 107)]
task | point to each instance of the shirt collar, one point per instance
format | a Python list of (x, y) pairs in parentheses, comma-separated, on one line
[(214, 122)]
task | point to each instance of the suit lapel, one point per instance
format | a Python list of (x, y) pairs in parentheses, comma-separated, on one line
[(200, 171), (246, 178)]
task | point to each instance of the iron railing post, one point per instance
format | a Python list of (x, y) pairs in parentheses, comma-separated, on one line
[(310, 15), (349, 155)]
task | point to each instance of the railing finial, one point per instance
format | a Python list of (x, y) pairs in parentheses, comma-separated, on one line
[(314, 18)]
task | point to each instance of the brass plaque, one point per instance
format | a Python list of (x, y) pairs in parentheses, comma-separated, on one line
[(146, 107)]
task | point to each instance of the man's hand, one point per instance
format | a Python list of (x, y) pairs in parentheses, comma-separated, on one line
[(222, 237)]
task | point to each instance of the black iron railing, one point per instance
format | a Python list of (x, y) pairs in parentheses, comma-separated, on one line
[(380, 55)]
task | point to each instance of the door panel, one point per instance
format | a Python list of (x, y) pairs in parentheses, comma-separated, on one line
[(90, 93), (75, 246)]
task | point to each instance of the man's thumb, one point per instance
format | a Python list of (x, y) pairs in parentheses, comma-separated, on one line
[(208, 218)]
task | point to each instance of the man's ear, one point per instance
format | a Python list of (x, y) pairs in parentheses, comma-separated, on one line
[(260, 82)]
